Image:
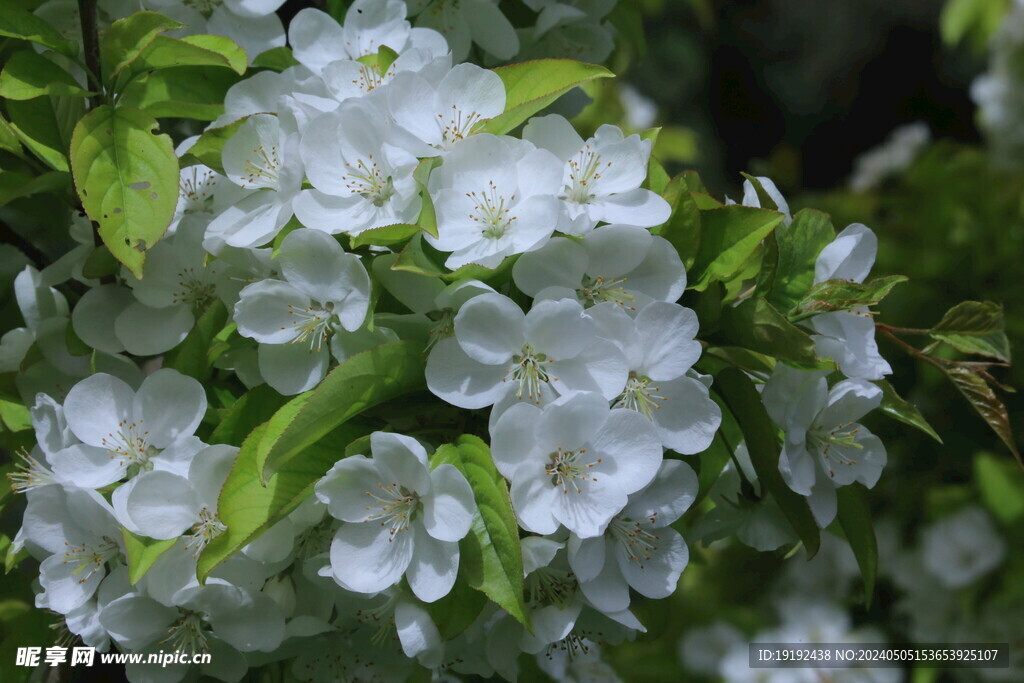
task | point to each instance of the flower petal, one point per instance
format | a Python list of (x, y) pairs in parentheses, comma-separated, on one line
[(448, 512)]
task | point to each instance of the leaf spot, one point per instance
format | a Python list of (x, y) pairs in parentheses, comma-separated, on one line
[(140, 245), (117, 210), (141, 185)]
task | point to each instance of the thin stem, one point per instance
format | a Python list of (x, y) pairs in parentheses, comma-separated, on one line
[(900, 330), (91, 46)]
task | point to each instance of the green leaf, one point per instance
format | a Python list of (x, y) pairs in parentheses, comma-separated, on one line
[(533, 85), (709, 466), (208, 148), (164, 52), (854, 515), (142, 553), (127, 38), (973, 19), (683, 227), (14, 415), (729, 236), (362, 381), (756, 325), (979, 394), (275, 59), (843, 295), (799, 244), (386, 236), (28, 74), (255, 407), (414, 259), (490, 554), (248, 508), (743, 401), (183, 92), (1001, 486), (192, 356), (23, 25), (8, 138), (99, 263), (457, 611), (127, 178), (39, 125), (14, 185), (381, 60), (975, 327), (897, 408)]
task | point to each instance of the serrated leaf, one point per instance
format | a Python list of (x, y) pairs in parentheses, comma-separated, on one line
[(979, 394), (248, 508), (743, 401), (127, 38), (275, 59), (362, 381), (192, 356), (531, 86), (386, 236), (683, 227), (975, 327), (182, 92), (23, 25), (208, 149), (896, 407), (798, 244), (843, 295), (252, 409), (854, 515), (127, 178), (729, 236), (142, 552), (756, 325), (490, 555), (28, 74)]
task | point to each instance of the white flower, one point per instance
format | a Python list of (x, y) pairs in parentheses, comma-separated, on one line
[(824, 446), (437, 116), (261, 155), (750, 197), (601, 177), (466, 21), (571, 29), (962, 548), (252, 24), (361, 180), (616, 263), (638, 549), (109, 319), (126, 432), (323, 288), (894, 155), (660, 349), (573, 463), (498, 351), (848, 337), (401, 518)]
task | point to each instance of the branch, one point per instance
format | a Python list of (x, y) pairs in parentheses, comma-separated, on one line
[(91, 46)]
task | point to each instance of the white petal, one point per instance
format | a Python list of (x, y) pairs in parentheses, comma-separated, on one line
[(346, 486), (448, 512), (460, 380), (849, 257), (255, 625), (608, 590), (292, 368), (655, 574), (93, 318), (666, 498), (668, 332), (161, 505), (489, 328), (146, 331), (315, 264), (97, 407), (416, 631), (688, 419), (402, 460), (513, 437), (629, 441), (558, 329), (171, 405), (639, 207), (365, 558), (586, 557), (560, 262), (533, 498), (433, 568), (264, 311)]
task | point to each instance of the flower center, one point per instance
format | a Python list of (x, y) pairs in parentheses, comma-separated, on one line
[(370, 77), (369, 181), (572, 645), (443, 328), (549, 586), (528, 369), (205, 530), (198, 190), (639, 543), (130, 443), (90, 558), (187, 635), (29, 474), (832, 443), (457, 125), (193, 288), (394, 506), (261, 168), (312, 324), (568, 468), (584, 171), (492, 211), (640, 396), (594, 290)]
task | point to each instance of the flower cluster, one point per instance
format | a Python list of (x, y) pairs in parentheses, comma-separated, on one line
[(371, 197)]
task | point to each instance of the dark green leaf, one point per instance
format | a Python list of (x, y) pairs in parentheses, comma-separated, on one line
[(192, 356), (975, 327), (799, 244), (14, 185), (979, 394), (255, 407), (683, 227), (756, 325), (28, 74), (457, 611), (729, 236), (18, 23), (854, 515), (275, 59), (743, 401), (1001, 486), (182, 92), (897, 408), (39, 124), (127, 178), (208, 148)]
